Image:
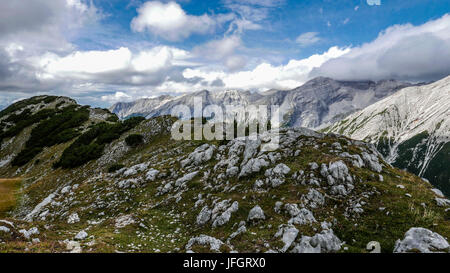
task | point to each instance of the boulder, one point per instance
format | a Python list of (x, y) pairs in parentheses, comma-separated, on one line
[(421, 240), (256, 214)]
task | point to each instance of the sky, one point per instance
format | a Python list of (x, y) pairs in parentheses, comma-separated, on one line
[(104, 51)]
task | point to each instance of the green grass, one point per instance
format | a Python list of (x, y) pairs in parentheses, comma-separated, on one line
[(9, 189)]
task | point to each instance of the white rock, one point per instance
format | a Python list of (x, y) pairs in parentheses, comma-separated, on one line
[(281, 170), (256, 214), (422, 240), (73, 218), (204, 216), (124, 220), (7, 222), (151, 175), (303, 217), (371, 160), (305, 246), (442, 202), (225, 217), (29, 233), (288, 235), (38, 209), (200, 155), (314, 199), (66, 189), (438, 193), (81, 235), (214, 244), (4, 229), (186, 178), (240, 230), (73, 246), (254, 165), (326, 240)]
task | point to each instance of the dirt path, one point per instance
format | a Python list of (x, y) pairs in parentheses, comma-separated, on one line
[(9, 188)]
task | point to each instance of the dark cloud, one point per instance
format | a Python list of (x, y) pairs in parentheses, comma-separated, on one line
[(218, 83), (26, 15)]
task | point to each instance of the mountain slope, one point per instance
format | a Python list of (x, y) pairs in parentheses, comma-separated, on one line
[(318, 102), (315, 193), (411, 128), (140, 107)]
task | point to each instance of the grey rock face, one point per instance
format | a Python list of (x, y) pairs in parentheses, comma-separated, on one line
[(151, 175), (322, 242), (81, 235), (202, 154), (73, 218), (302, 217), (256, 214), (288, 235), (422, 240), (205, 240), (221, 213), (276, 176), (338, 177), (314, 199), (204, 216)]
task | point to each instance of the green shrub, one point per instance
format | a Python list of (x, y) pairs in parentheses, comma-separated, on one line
[(115, 168), (59, 128), (25, 121), (134, 140), (90, 145), (113, 118)]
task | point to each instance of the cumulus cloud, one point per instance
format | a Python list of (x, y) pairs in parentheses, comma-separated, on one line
[(117, 97), (266, 76), (171, 22), (119, 66), (308, 39), (405, 52), (32, 28), (222, 50), (43, 25)]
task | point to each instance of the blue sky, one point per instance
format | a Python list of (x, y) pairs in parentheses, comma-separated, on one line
[(352, 22), (103, 51)]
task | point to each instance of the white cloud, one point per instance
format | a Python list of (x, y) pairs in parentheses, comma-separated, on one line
[(171, 22), (44, 25), (117, 97), (89, 62), (404, 52), (218, 49), (308, 39), (119, 66), (267, 76)]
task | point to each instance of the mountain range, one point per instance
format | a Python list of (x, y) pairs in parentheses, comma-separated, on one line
[(318, 102)]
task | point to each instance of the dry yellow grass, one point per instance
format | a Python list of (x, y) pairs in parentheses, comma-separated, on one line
[(8, 192)]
